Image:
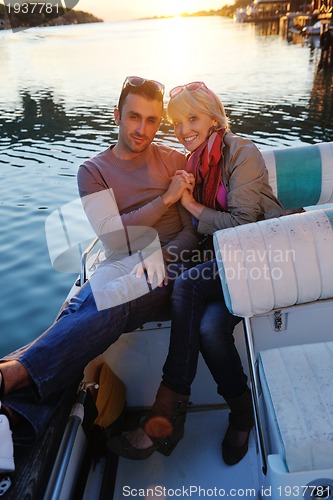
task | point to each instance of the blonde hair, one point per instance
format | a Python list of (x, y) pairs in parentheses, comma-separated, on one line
[(202, 100)]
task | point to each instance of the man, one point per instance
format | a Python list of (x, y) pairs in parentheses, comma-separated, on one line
[(138, 178)]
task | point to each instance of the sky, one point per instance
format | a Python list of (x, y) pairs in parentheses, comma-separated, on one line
[(115, 10)]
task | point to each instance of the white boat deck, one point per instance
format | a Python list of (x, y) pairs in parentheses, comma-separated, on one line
[(195, 463), (195, 468)]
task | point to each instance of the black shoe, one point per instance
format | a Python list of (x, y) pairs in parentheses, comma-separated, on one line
[(122, 447), (235, 445)]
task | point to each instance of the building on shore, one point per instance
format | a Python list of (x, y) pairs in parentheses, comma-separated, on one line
[(322, 9), (296, 13), (270, 10)]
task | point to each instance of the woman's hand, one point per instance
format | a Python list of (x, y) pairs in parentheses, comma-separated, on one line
[(187, 198)]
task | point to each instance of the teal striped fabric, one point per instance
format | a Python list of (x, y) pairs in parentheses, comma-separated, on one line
[(300, 185)]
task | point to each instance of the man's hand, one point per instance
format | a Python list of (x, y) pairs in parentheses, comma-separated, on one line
[(188, 177), (150, 267)]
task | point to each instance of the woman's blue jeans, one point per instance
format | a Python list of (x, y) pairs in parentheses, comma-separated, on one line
[(58, 357), (202, 322)]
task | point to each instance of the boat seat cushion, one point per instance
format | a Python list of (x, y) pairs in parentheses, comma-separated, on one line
[(301, 176), (297, 383), (276, 263)]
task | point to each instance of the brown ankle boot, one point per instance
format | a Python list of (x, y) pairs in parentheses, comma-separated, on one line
[(164, 425), (241, 420)]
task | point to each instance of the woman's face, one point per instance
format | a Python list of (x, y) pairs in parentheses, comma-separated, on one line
[(192, 130)]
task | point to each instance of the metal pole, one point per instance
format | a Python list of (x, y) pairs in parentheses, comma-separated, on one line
[(75, 419), (83, 274), (255, 390)]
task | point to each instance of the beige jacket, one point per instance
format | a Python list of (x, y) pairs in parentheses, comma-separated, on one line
[(250, 197)]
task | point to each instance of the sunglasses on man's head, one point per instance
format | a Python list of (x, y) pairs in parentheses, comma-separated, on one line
[(137, 81), (190, 87)]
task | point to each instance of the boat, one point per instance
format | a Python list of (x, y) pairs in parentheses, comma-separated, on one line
[(243, 15), (278, 275)]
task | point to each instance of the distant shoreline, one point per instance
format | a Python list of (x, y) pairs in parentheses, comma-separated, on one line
[(225, 11), (62, 17), (72, 16)]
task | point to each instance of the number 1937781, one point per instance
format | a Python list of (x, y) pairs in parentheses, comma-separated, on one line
[(33, 8)]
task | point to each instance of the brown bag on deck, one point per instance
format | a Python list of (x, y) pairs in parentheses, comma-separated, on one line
[(111, 397)]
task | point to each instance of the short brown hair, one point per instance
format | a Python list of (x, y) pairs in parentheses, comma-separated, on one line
[(148, 90)]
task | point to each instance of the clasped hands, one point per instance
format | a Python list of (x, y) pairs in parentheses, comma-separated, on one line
[(188, 183), (181, 188)]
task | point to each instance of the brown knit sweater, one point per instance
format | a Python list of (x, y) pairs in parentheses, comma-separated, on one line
[(133, 189)]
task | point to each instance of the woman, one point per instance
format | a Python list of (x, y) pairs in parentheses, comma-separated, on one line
[(228, 186)]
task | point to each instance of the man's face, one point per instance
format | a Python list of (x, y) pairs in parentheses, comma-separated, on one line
[(138, 124)]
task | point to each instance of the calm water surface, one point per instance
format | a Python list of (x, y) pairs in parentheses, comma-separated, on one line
[(58, 90)]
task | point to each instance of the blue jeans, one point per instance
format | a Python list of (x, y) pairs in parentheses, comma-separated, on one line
[(202, 322), (58, 357)]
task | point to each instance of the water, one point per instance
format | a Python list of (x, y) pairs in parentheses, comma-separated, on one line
[(58, 90)]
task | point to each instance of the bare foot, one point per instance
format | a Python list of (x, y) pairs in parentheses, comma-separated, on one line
[(139, 439), (14, 376)]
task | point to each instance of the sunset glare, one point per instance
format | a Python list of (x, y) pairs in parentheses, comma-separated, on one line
[(131, 9)]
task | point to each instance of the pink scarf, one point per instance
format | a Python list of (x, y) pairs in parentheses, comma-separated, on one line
[(205, 164)]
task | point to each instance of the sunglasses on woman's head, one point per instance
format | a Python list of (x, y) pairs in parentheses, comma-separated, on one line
[(137, 81), (190, 87)]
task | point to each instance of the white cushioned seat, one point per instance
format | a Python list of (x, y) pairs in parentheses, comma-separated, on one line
[(277, 262), (297, 380)]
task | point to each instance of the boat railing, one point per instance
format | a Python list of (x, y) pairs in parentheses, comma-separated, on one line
[(84, 259), (75, 419)]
